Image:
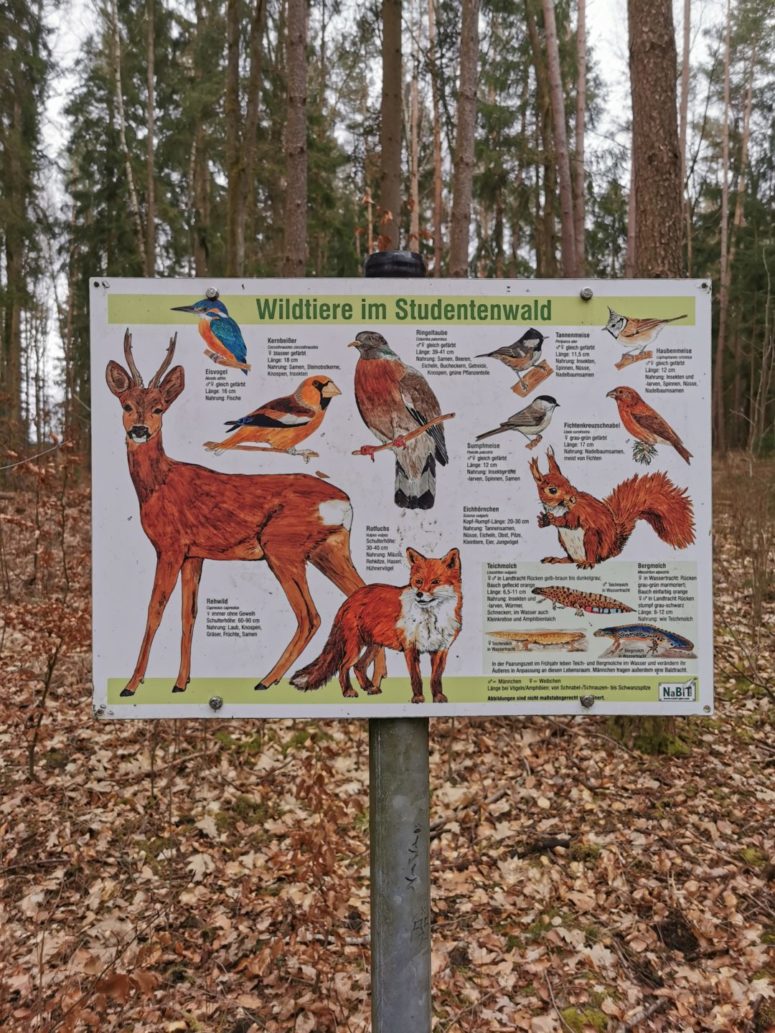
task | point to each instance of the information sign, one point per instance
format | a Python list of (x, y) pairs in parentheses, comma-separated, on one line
[(338, 498)]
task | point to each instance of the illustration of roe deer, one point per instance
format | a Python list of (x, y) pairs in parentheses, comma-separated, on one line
[(192, 514)]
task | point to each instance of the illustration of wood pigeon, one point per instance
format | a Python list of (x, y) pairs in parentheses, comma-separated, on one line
[(394, 400)]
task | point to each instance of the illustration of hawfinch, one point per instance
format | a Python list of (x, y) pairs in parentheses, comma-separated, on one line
[(285, 422), (645, 425)]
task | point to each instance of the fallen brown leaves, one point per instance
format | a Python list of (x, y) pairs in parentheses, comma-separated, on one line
[(214, 876)]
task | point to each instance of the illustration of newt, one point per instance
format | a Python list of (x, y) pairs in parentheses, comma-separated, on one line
[(592, 530), (581, 602), (631, 638), (570, 641)]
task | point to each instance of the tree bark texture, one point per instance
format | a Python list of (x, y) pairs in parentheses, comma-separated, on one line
[(295, 239), (463, 175), (390, 125), (231, 112), (438, 178), (250, 143), (567, 235), (150, 142), (545, 222), (134, 204), (719, 414), (579, 201), (683, 125), (414, 147), (655, 150)]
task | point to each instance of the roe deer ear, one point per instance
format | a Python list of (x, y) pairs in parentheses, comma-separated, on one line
[(414, 556), (172, 385), (452, 559), (117, 378)]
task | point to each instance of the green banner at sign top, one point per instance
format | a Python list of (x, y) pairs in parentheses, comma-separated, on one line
[(398, 309)]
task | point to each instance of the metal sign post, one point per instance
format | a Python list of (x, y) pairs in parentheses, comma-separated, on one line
[(399, 832)]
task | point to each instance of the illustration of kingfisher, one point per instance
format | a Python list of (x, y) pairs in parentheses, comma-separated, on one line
[(223, 338)]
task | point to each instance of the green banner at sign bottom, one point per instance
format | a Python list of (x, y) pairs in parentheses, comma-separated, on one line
[(624, 689)]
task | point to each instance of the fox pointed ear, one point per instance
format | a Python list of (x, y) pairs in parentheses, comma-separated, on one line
[(553, 467), (452, 559), (117, 377), (414, 556), (172, 385)]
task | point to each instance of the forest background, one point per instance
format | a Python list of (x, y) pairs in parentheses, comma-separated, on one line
[(174, 876), (256, 139)]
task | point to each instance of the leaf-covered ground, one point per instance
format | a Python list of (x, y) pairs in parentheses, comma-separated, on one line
[(214, 876)]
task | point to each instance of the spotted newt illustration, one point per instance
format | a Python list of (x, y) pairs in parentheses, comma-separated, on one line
[(572, 641), (632, 638), (581, 602)]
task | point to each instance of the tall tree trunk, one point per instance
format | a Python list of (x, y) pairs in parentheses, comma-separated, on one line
[(683, 128), (295, 245), (438, 213), (232, 119), (546, 250), (737, 223), (390, 125), (463, 173), (567, 230), (581, 114), (719, 415), (150, 142), (656, 154), (630, 256), (657, 216), (250, 143), (134, 204), (414, 145)]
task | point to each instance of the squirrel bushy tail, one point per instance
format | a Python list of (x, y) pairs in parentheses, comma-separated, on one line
[(654, 498), (327, 664)]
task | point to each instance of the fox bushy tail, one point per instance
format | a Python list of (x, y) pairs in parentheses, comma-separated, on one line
[(654, 498), (321, 670)]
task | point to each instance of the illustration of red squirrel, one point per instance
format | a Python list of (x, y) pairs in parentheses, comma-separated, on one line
[(421, 617), (592, 530)]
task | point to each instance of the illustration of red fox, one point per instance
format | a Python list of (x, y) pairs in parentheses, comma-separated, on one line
[(424, 616), (592, 530)]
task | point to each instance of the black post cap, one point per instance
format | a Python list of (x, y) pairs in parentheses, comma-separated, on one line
[(394, 263)]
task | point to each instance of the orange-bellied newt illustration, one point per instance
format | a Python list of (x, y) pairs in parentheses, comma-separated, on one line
[(192, 514), (645, 638), (283, 423), (223, 338), (581, 602), (424, 616), (541, 639), (592, 530)]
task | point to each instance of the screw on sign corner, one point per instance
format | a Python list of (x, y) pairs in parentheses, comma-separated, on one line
[(395, 264)]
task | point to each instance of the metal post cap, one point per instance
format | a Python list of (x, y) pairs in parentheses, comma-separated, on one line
[(394, 263)]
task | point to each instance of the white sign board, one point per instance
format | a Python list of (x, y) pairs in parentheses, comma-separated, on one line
[(495, 501)]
